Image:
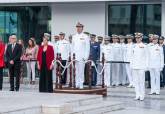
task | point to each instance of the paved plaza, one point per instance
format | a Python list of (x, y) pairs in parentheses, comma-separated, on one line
[(120, 97)]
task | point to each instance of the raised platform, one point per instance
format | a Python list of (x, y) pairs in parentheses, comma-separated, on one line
[(54, 103), (85, 90)]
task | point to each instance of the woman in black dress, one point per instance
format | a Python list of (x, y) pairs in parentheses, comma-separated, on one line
[(45, 57)]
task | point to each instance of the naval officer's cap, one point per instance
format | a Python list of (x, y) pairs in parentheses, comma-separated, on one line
[(61, 33), (155, 36), (150, 35), (79, 25), (92, 35), (121, 37), (138, 35), (114, 36), (106, 38), (56, 37), (99, 37), (161, 38), (129, 36)]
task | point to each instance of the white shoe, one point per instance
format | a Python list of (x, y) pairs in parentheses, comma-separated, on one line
[(130, 86), (151, 93), (81, 87), (157, 93), (137, 98), (141, 98)]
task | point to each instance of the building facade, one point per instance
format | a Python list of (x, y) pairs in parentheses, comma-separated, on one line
[(31, 18)]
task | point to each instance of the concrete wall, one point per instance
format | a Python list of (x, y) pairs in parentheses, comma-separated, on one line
[(65, 17)]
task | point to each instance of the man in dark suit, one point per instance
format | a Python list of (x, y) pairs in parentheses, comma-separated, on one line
[(13, 54)]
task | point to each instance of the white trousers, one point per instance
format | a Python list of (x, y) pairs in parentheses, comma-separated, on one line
[(31, 69), (99, 77), (123, 75), (80, 66), (155, 80), (139, 79), (68, 75), (115, 73), (54, 74), (107, 74), (129, 74)]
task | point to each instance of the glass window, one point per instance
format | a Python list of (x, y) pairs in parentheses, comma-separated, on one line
[(25, 22), (124, 19)]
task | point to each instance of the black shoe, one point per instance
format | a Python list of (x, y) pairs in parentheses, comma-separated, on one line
[(149, 87), (11, 89), (93, 84), (16, 89)]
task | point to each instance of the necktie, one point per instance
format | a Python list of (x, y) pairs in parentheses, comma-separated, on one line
[(12, 47)]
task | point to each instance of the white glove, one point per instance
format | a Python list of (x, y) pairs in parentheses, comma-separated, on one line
[(93, 64), (161, 69)]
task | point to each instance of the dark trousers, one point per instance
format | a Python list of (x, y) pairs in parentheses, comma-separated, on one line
[(94, 76), (14, 71), (163, 77), (148, 79), (1, 78), (64, 76), (86, 75)]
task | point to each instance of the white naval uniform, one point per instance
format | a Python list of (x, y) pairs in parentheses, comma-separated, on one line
[(107, 50), (139, 64), (127, 58), (156, 64), (81, 48), (63, 48), (117, 56), (123, 75), (55, 45), (99, 67), (68, 70)]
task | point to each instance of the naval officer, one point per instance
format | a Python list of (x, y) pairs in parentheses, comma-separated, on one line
[(94, 56), (156, 64), (63, 48), (106, 48), (127, 58), (81, 49), (139, 64)]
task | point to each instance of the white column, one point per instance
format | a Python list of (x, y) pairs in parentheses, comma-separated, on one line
[(163, 19)]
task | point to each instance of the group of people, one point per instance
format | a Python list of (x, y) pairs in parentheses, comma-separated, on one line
[(126, 58)]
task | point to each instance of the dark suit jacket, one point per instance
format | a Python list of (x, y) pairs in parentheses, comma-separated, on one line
[(14, 55)]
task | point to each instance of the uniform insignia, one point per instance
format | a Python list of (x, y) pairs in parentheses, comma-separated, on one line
[(141, 46), (82, 39)]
